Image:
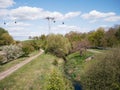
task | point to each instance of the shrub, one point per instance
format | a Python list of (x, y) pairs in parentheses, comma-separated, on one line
[(27, 49), (104, 73), (55, 62), (12, 52), (57, 45), (3, 59), (57, 82)]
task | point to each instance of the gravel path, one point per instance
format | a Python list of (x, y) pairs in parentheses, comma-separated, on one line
[(16, 67)]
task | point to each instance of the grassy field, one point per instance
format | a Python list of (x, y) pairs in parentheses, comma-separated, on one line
[(32, 76), (14, 62), (75, 64)]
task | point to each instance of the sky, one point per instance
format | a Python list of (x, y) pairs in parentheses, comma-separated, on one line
[(77, 15)]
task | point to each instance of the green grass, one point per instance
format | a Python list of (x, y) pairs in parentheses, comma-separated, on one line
[(75, 64), (33, 75), (14, 62)]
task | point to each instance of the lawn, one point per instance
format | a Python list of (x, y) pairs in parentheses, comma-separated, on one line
[(14, 62), (32, 76)]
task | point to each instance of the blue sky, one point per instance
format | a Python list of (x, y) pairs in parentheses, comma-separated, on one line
[(78, 15)]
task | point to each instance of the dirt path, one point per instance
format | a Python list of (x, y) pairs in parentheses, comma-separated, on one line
[(91, 57), (94, 51), (16, 67)]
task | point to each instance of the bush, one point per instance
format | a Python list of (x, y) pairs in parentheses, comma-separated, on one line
[(3, 59), (57, 45), (104, 73), (27, 49), (55, 62), (58, 82), (12, 52), (55, 82)]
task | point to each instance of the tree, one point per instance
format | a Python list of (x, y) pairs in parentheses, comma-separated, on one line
[(5, 38), (117, 34), (74, 37), (57, 45), (2, 31), (12, 52), (27, 48), (81, 46), (110, 37), (96, 37)]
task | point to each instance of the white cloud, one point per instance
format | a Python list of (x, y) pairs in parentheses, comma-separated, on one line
[(6, 3), (63, 29), (25, 13), (72, 14), (112, 18), (96, 14), (34, 13), (24, 34), (3, 13), (17, 24), (15, 29)]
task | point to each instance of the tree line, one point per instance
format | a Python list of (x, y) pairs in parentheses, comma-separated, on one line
[(61, 45)]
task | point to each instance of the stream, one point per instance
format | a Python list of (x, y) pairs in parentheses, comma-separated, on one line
[(76, 84)]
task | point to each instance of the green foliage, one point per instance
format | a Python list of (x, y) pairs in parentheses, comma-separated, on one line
[(5, 38), (2, 31), (55, 62), (35, 44), (74, 36), (57, 45), (75, 63), (41, 68), (96, 37), (103, 73), (27, 48), (110, 39), (55, 82), (117, 34)]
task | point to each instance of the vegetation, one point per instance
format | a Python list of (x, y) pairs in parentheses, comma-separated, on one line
[(12, 63), (57, 45), (5, 38), (10, 53), (41, 69), (27, 49), (103, 72), (57, 82), (75, 63)]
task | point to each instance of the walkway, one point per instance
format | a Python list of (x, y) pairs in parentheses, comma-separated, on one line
[(16, 67)]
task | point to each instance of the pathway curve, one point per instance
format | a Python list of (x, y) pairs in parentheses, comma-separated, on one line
[(94, 51), (91, 57), (16, 67)]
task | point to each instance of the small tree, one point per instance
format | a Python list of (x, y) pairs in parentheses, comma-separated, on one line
[(57, 45), (12, 52), (55, 82), (81, 46), (27, 49)]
